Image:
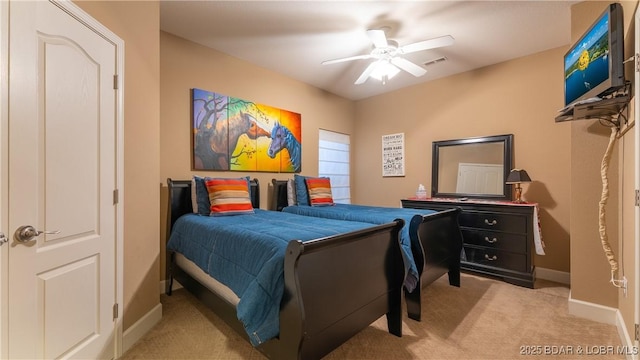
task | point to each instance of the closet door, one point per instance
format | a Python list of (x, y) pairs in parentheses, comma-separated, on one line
[(62, 186)]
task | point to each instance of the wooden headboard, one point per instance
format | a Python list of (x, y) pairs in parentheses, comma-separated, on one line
[(279, 194), (180, 199), (180, 204)]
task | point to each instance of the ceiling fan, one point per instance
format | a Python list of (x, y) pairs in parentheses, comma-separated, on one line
[(388, 56)]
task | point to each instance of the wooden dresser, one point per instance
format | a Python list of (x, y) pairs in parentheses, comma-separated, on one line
[(498, 236)]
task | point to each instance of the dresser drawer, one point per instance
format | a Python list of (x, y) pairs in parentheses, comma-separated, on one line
[(494, 221), (497, 258), (497, 236), (496, 240)]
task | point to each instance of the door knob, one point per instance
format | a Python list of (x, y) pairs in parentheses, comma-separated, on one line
[(26, 233)]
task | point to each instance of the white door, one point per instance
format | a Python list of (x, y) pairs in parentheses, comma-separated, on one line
[(480, 179), (636, 105), (62, 179)]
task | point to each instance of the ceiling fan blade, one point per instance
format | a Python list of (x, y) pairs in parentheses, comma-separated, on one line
[(378, 38), (408, 66), (365, 74), (357, 57), (427, 44)]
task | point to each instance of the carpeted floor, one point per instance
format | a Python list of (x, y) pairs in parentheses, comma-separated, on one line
[(483, 319)]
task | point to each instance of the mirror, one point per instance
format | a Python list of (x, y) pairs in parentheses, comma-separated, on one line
[(473, 167)]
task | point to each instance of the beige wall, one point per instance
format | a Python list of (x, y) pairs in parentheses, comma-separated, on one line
[(185, 65), (628, 248), (137, 23), (519, 97), (590, 270)]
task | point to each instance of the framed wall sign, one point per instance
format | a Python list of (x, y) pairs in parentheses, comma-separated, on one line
[(393, 155)]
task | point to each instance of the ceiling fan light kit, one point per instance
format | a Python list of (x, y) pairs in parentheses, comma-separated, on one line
[(384, 71), (388, 60)]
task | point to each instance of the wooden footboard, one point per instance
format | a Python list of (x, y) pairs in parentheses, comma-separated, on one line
[(331, 294), (436, 243), (334, 288)]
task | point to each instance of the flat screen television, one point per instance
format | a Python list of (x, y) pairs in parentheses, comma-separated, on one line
[(594, 65)]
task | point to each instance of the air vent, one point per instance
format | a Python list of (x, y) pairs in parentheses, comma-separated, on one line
[(435, 61)]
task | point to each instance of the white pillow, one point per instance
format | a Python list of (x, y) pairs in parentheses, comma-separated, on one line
[(291, 193)]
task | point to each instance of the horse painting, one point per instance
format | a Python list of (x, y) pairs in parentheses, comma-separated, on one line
[(282, 138), (215, 144)]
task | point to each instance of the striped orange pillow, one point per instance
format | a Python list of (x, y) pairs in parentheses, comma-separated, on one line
[(319, 190), (229, 196)]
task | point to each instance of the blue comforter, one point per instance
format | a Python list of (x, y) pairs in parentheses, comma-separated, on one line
[(373, 215), (246, 253)]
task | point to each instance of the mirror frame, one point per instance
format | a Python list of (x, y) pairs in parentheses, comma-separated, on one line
[(507, 140)]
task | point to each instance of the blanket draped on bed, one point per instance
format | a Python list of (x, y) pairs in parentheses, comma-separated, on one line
[(246, 253), (374, 215)]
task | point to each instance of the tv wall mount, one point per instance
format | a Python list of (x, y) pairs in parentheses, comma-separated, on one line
[(610, 109)]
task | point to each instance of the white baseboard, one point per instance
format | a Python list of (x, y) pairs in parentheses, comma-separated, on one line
[(141, 327), (606, 315), (163, 284), (553, 275), (591, 311), (625, 338)]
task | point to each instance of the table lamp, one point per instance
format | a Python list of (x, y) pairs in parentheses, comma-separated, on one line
[(518, 176)]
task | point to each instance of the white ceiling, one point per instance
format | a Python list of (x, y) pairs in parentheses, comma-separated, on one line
[(294, 37)]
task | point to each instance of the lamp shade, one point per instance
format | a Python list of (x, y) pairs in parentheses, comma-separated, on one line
[(517, 176)]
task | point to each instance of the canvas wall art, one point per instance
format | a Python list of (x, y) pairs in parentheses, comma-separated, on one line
[(232, 134)]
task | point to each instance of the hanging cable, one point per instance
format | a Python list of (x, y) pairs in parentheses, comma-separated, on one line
[(604, 239)]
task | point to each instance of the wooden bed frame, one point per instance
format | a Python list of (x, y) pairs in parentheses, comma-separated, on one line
[(436, 243), (321, 308)]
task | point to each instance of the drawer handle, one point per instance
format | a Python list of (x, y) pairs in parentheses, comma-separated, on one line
[(492, 222), (490, 241), (493, 258)]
